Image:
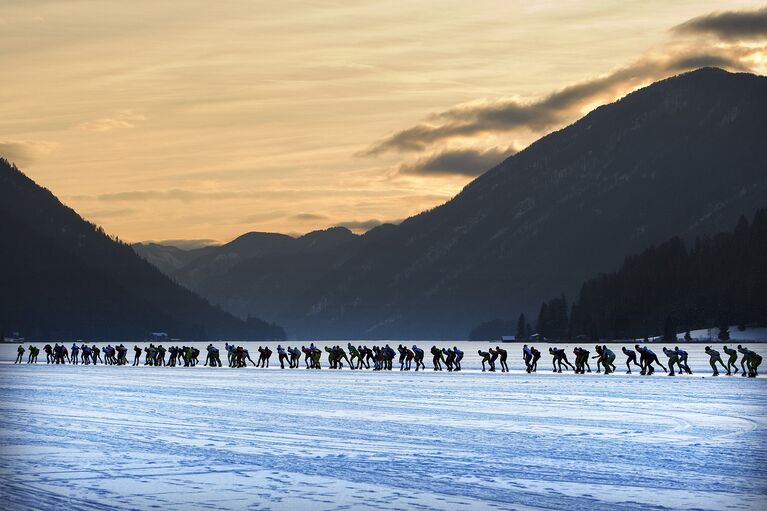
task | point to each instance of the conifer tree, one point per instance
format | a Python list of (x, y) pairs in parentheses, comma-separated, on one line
[(669, 330), (724, 331), (521, 323)]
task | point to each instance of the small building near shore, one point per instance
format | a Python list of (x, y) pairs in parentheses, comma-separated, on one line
[(15, 337)]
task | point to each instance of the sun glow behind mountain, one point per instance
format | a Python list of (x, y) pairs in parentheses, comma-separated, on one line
[(291, 116)]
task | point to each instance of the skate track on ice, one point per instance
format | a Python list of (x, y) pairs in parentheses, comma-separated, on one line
[(101, 437)]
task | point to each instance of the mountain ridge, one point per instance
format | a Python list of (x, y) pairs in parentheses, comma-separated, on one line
[(680, 156), (66, 278)]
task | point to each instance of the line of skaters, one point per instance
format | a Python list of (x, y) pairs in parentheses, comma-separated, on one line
[(382, 357)]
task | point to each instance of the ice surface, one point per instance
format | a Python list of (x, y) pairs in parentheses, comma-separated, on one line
[(200, 438)]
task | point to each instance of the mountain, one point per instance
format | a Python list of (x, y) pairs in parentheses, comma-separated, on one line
[(165, 257), (681, 156), (281, 268), (64, 278)]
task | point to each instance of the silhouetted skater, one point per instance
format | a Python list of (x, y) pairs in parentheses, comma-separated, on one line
[(536, 358), (333, 361), (753, 364), (213, 358), (295, 357), (378, 359), (389, 354), (341, 356), (598, 357), (458, 358), (264, 355), (409, 356), (527, 357), (607, 359), (308, 358), (405, 358), (493, 358), (149, 355), (418, 357), (58, 353), (673, 358), (751, 361), (122, 355), (502, 355), (732, 359), (682, 354), (402, 354), (449, 358), (282, 356), (159, 359), (436, 358), (354, 356), (366, 354), (713, 359), (19, 354), (646, 359), (173, 355), (317, 356), (581, 360), (631, 357), (485, 359), (86, 354), (230, 353), (743, 359), (559, 356)]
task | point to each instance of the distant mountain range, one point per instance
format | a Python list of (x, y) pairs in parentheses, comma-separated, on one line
[(64, 278), (684, 156)]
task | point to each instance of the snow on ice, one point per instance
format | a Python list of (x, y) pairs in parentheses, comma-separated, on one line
[(199, 438)]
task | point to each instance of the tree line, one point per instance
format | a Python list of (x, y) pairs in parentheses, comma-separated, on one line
[(719, 280)]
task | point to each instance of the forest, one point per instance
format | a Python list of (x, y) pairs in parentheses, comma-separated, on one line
[(719, 280)]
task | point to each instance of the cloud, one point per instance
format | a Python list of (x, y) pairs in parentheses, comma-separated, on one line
[(174, 194), (493, 116), (184, 244), (101, 214), (687, 62), (262, 217), (465, 162), (122, 119), (502, 115), (361, 225), (309, 217), (729, 25), (23, 152)]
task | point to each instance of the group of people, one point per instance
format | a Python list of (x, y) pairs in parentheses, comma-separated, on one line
[(677, 360), (749, 360), (381, 358), (59, 354)]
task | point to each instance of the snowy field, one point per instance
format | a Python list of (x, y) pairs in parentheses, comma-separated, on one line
[(200, 438)]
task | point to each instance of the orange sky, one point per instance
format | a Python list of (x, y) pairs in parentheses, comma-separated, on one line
[(204, 120)]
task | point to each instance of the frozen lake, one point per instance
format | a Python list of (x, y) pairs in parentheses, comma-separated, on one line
[(200, 438)]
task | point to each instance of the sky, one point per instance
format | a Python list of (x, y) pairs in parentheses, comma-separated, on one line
[(200, 121)]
